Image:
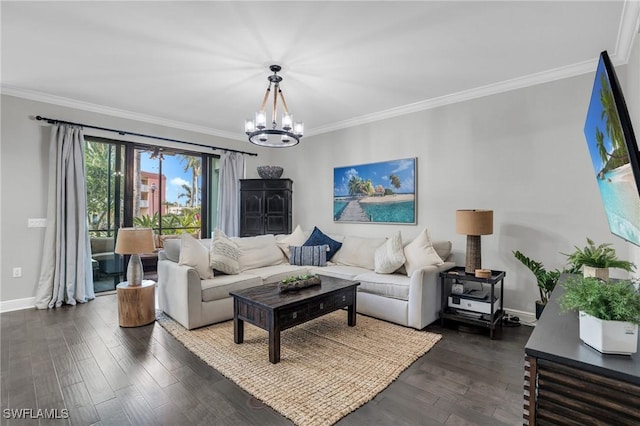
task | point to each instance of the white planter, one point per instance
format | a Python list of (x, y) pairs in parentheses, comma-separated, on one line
[(600, 273), (609, 337)]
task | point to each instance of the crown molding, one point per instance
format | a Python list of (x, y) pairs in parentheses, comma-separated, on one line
[(628, 30), (465, 95), (115, 112)]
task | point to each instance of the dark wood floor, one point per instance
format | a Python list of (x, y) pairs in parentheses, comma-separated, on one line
[(78, 358)]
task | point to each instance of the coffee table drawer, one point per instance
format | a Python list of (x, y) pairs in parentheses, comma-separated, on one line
[(322, 306), (293, 316), (343, 299)]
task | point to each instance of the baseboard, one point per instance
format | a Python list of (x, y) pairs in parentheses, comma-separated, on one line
[(17, 304), (526, 318)]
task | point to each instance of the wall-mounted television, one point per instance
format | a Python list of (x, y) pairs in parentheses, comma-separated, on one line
[(614, 153)]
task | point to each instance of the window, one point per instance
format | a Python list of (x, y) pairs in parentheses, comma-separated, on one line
[(169, 190)]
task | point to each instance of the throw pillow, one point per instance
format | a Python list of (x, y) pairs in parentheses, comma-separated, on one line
[(308, 255), (224, 254), (317, 238), (256, 252), (420, 253), (390, 256), (296, 238), (195, 255), (358, 251)]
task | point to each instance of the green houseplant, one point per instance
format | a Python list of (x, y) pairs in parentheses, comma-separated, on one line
[(546, 280), (595, 261), (609, 312)]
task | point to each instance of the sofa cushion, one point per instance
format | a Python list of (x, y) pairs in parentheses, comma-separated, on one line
[(338, 271), (296, 238), (358, 251), (219, 287), (390, 255), (443, 248), (318, 238), (388, 285), (308, 255), (224, 254), (420, 253), (172, 250), (275, 273), (259, 251), (194, 254)]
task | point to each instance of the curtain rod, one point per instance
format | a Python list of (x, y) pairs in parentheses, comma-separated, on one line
[(124, 132)]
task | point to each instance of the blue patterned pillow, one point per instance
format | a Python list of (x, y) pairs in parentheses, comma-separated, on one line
[(317, 238), (308, 255)]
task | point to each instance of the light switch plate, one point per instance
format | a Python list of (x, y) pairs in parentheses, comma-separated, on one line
[(37, 223)]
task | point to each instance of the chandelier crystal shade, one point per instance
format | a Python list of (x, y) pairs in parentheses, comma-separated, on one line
[(288, 134)]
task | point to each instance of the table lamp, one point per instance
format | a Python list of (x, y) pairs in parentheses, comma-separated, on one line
[(134, 241), (474, 223)]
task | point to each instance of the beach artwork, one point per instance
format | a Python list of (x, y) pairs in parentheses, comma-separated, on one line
[(377, 192), (610, 159)]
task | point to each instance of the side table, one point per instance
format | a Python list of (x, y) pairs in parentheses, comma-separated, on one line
[(136, 304), (489, 320)]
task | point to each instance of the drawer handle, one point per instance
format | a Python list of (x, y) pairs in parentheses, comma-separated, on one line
[(344, 298), (295, 315), (322, 306)]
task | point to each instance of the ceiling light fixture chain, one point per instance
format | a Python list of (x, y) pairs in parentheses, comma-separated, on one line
[(289, 134)]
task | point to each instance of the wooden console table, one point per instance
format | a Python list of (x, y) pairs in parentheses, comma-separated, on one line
[(570, 383)]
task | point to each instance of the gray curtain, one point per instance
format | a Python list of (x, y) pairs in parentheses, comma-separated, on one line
[(231, 171), (65, 271)]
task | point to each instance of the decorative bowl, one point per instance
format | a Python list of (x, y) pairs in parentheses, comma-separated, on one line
[(270, 172)]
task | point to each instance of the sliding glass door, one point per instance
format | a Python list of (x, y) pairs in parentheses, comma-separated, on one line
[(105, 162), (168, 190)]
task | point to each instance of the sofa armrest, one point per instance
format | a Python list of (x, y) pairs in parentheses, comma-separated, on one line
[(180, 292), (424, 295)]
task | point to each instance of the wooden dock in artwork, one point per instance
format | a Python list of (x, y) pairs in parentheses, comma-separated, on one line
[(353, 212)]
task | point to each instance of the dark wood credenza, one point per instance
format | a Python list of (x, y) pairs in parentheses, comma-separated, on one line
[(570, 383)]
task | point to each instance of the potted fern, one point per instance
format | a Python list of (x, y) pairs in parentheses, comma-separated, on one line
[(546, 280), (609, 312), (596, 261)]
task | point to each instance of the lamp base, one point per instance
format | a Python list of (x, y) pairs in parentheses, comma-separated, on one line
[(474, 259), (134, 271)]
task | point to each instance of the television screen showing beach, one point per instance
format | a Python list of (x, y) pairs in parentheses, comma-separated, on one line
[(610, 159), (375, 192)]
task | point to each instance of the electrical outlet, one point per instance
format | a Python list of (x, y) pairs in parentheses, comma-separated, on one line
[(17, 272)]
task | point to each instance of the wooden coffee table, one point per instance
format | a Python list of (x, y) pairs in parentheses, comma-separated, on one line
[(265, 307)]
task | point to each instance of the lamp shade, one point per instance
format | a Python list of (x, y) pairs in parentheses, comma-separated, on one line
[(135, 241), (474, 222)]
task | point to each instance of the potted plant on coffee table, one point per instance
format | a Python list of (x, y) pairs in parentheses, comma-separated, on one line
[(609, 312), (546, 280), (596, 261)]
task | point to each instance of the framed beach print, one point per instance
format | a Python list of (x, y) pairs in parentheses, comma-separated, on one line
[(382, 192)]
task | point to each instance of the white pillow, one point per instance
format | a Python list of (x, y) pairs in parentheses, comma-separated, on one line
[(358, 251), (420, 253), (194, 254), (259, 251), (296, 238), (224, 254), (390, 256)]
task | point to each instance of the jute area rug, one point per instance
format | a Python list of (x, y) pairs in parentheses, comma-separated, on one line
[(327, 369)]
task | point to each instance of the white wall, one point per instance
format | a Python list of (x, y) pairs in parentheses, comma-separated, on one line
[(521, 153), (24, 159), (632, 97)]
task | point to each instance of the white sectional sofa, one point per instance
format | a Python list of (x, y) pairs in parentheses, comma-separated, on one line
[(195, 301)]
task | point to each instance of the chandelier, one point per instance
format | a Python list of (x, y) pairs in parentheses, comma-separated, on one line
[(289, 134)]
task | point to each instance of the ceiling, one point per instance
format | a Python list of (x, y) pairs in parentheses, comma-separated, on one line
[(203, 65)]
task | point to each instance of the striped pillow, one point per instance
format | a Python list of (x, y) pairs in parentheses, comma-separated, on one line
[(308, 255)]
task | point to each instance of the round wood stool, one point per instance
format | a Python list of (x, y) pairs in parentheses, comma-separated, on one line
[(136, 304)]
